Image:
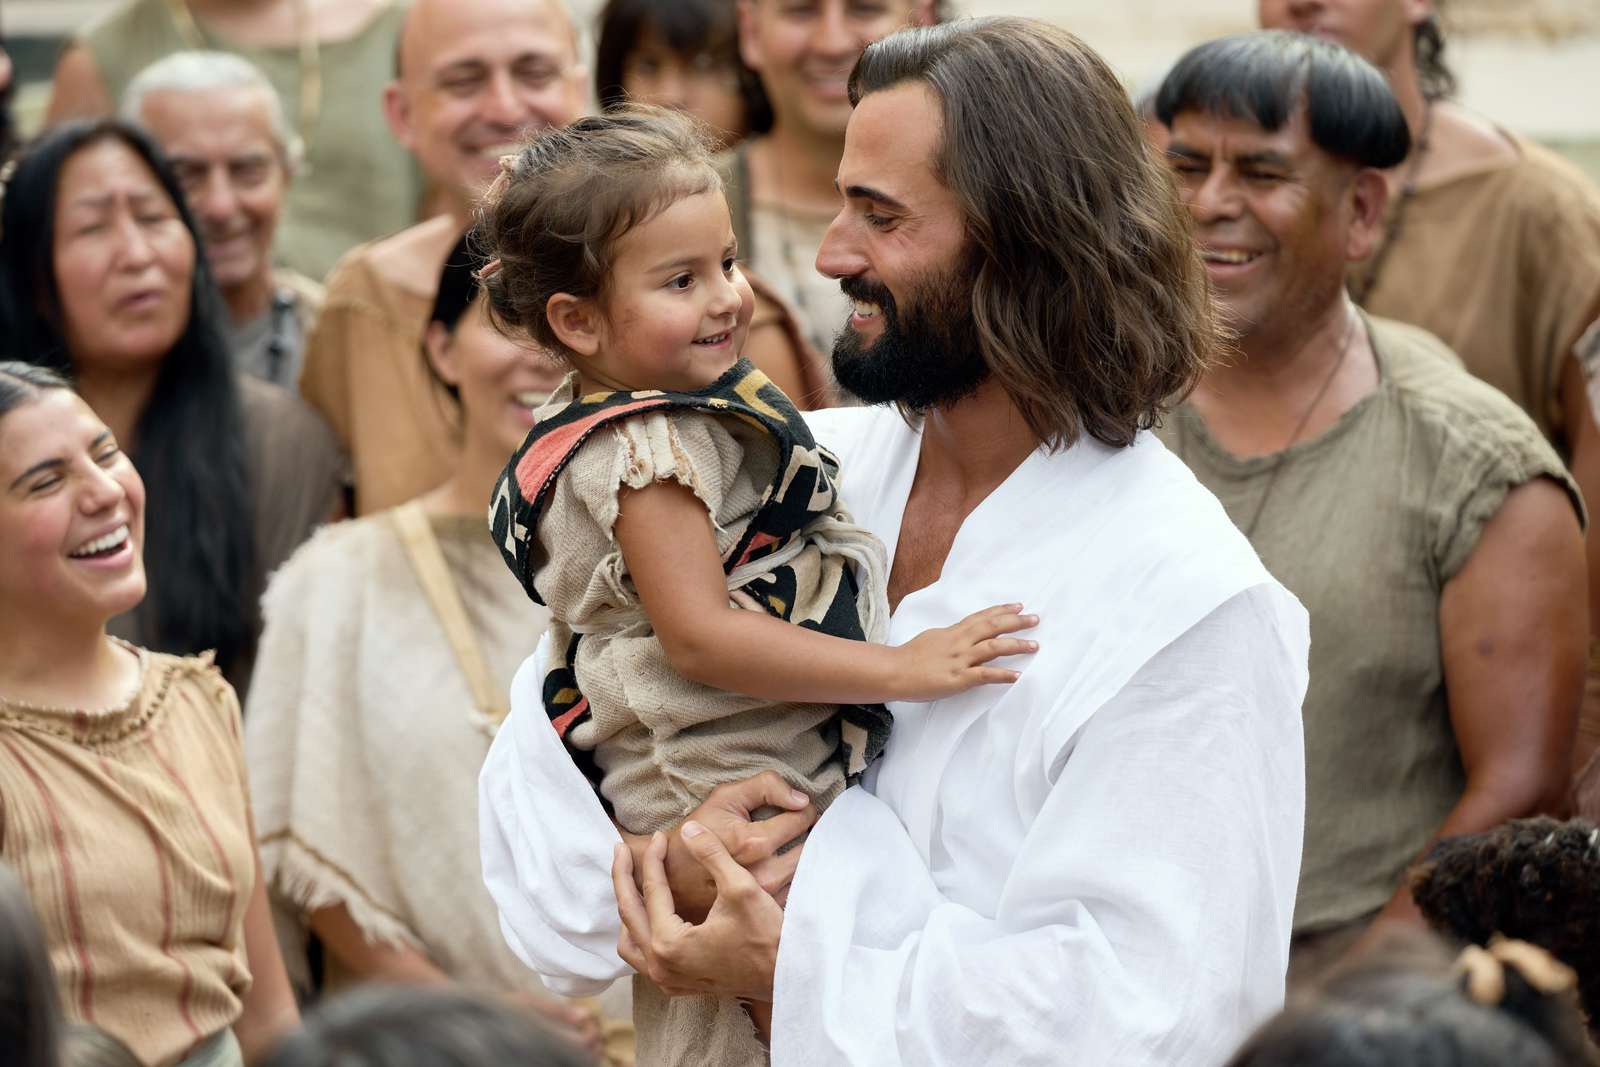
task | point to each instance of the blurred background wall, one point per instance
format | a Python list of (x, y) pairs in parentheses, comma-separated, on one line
[(1531, 65)]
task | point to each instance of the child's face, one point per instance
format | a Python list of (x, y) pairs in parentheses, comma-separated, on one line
[(677, 310)]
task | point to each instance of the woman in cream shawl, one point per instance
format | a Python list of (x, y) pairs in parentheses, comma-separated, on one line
[(390, 643)]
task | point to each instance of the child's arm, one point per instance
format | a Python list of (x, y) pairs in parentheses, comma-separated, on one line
[(670, 550)]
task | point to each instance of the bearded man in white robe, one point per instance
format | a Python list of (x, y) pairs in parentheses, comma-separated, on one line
[(1095, 865)]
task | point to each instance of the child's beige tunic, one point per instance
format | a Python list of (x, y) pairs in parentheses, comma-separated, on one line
[(659, 741)]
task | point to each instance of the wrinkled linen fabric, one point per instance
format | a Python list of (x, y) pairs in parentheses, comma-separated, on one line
[(1094, 865)]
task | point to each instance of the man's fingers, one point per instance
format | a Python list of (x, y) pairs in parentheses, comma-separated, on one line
[(661, 912), (630, 905), (776, 872), (708, 849), (767, 789), (767, 836), (630, 952)]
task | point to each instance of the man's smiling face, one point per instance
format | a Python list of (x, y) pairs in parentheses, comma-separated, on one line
[(1269, 214), (900, 251)]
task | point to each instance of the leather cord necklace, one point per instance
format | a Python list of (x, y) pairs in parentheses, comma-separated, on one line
[(1305, 420), (1408, 190), (1249, 528)]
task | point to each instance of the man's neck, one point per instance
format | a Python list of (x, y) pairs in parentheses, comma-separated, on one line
[(1275, 357), (1286, 386), (119, 398), (797, 167), (249, 301), (976, 443)]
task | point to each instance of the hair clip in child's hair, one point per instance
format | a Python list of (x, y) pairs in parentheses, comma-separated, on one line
[(488, 270), (1483, 971)]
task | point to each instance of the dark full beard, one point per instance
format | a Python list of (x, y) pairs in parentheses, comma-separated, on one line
[(929, 358)]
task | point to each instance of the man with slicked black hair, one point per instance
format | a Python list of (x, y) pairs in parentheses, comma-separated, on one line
[(1420, 516), (1490, 241)]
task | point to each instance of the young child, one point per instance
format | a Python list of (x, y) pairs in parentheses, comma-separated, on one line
[(713, 605)]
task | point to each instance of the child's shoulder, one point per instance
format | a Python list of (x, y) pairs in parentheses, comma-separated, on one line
[(592, 453)]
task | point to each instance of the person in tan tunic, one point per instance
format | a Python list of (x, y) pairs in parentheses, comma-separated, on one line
[(474, 77), (1431, 531), (123, 800), (1489, 241)]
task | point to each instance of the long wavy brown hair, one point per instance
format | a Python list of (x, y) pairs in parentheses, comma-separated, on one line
[(1090, 300)]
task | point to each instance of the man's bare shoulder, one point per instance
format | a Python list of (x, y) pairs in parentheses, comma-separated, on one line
[(403, 267)]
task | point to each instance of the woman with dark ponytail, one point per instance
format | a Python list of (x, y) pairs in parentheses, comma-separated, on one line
[(101, 279)]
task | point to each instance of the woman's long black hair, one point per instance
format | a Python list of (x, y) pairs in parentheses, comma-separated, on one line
[(189, 444)]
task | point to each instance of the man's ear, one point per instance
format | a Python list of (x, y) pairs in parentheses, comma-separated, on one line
[(436, 343), (1369, 195), (924, 13), (1417, 11), (397, 112), (576, 323), (749, 40)]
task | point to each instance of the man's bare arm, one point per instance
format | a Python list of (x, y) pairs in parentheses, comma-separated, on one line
[(1583, 442), (1514, 629)]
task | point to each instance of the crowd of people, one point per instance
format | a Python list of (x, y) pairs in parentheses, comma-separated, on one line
[(1169, 518)]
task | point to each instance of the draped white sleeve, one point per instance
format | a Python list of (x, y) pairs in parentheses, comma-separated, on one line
[(546, 846), (1145, 919)]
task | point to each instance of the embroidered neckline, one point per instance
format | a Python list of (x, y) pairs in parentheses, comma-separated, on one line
[(104, 726)]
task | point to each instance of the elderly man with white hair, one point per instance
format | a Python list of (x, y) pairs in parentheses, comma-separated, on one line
[(222, 123)]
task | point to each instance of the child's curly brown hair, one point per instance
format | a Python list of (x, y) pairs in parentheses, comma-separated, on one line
[(1537, 880), (550, 223)]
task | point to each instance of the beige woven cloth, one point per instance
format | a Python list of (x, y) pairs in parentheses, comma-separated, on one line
[(661, 741)]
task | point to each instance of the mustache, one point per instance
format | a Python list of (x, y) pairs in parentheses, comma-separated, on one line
[(869, 292)]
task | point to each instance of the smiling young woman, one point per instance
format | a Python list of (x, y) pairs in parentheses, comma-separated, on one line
[(121, 773)]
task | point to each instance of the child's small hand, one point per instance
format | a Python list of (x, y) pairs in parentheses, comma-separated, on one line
[(940, 663)]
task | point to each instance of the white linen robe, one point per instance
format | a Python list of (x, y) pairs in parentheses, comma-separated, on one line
[(1096, 865)]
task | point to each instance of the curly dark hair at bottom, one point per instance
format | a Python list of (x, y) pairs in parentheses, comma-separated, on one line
[(1537, 880)]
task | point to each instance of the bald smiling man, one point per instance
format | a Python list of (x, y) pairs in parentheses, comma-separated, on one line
[(474, 77)]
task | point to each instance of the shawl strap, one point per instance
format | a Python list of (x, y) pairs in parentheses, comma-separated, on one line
[(433, 574)]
